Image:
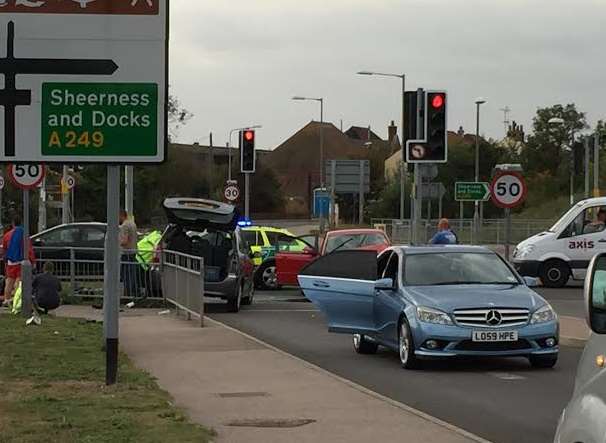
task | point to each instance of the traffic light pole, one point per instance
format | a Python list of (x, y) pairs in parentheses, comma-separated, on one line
[(418, 201), (247, 196), (403, 142)]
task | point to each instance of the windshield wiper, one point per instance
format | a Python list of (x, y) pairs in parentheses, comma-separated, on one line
[(340, 246)]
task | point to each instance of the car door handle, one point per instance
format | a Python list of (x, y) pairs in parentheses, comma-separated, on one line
[(602, 241), (321, 284)]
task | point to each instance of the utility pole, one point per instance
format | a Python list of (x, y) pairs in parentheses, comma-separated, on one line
[(403, 146), (586, 167), (65, 197), (596, 165), (211, 166), (129, 191)]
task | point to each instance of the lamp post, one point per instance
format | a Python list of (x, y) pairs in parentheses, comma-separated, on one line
[(557, 121), (245, 128), (403, 146), (322, 184), (476, 214)]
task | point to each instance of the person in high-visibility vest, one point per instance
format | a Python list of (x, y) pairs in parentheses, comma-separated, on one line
[(146, 247)]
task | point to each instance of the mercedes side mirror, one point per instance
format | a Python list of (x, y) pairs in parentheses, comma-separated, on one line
[(385, 284), (595, 294), (531, 282)]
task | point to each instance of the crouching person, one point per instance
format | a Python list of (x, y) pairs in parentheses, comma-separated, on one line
[(46, 289)]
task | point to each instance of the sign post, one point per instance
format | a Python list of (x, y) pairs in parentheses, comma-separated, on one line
[(86, 82), (508, 190)]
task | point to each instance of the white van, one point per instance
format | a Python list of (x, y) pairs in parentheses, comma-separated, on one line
[(565, 250), (584, 419)]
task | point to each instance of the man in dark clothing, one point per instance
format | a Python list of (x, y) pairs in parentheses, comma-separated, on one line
[(46, 289)]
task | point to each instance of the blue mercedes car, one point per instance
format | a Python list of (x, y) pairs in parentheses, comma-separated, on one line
[(433, 302)]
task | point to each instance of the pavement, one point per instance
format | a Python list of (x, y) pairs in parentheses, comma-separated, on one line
[(249, 391)]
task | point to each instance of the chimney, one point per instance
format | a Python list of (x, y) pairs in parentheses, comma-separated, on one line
[(392, 132)]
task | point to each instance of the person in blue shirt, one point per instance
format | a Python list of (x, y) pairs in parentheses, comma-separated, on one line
[(444, 236)]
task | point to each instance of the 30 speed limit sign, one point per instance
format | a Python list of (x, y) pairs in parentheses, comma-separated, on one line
[(508, 189), (232, 193), (26, 176)]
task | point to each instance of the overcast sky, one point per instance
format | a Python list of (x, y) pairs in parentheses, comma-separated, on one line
[(239, 62)]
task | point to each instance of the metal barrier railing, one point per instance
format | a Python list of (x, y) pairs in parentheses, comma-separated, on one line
[(81, 270), (183, 283), (491, 231)]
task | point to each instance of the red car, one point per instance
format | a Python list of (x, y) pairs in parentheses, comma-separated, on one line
[(290, 262)]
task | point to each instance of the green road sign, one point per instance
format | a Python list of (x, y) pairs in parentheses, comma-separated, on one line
[(100, 119), (472, 191)]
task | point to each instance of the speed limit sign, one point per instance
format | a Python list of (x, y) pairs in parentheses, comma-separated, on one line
[(26, 176), (508, 189), (232, 193)]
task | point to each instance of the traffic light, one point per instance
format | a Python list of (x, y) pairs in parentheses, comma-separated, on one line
[(437, 137), (247, 151)]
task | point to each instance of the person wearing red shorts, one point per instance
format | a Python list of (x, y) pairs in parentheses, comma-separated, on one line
[(12, 244)]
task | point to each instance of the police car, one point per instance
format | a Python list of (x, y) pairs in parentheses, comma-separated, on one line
[(565, 250)]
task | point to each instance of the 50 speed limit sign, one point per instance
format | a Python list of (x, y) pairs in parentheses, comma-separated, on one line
[(26, 176), (508, 189)]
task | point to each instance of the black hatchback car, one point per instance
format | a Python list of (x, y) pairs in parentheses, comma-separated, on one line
[(209, 229)]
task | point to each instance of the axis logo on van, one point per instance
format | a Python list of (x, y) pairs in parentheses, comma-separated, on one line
[(581, 244)]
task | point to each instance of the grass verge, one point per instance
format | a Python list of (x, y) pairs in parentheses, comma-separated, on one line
[(52, 389)]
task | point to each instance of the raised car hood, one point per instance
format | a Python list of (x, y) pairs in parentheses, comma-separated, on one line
[(449, 298), (197, 214)]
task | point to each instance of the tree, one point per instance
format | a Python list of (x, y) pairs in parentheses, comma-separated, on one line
[(548, 142), (177, 116)]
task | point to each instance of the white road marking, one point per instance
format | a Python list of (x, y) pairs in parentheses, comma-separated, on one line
[(506, 376)]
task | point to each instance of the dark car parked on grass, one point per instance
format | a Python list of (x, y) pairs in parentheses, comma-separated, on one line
[(209, 229)]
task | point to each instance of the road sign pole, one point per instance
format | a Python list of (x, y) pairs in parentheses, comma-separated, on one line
[(42, 207), (333, 195), (507, 232), (247, 195), (111, 296), (65, 197), (26, 266), (129, 191)]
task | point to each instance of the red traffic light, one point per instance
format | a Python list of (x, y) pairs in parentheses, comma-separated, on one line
[(437, 101), (249, 135)]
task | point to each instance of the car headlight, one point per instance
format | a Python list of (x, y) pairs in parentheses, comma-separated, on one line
[(429, 315), (523, 251), (543, 315)]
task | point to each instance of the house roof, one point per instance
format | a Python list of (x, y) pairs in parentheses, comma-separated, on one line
[(297, 159), (361, 133)]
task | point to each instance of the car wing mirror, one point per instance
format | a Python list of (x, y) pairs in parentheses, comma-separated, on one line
[(531, 282), (385, 284), (595, 294)]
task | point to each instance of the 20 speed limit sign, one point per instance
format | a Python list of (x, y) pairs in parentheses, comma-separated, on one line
[(232, 193), (508, 189), (26, 176)]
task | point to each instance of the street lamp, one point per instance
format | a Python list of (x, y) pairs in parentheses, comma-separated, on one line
[(229, 145), (402, 171), (558, 121), (322, 185), (476, 215)]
